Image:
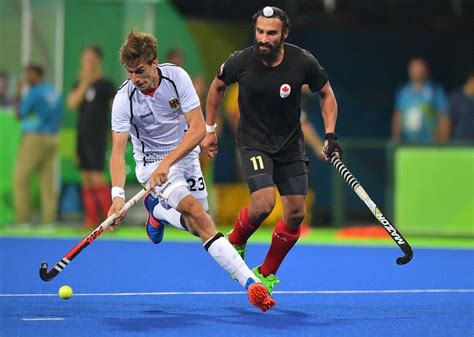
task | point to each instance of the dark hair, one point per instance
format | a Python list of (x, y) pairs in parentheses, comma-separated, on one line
[(277, 13), (36, 68), (96, 50)]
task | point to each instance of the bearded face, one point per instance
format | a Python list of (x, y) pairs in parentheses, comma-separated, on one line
[(269, 38), (268, 51)]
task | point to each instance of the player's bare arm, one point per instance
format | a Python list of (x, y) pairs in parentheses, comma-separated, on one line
[(191, 139), (329, 114), (328, 108), (117, 173), (213, 104)]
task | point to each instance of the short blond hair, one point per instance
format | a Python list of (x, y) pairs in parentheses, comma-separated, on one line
[(138, 48)]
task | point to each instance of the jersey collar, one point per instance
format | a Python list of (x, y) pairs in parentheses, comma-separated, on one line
[(151, 93)]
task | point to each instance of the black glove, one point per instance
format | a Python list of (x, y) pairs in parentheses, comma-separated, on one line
[(332, 146)]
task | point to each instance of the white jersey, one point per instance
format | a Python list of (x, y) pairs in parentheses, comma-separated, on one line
[(156, 123)]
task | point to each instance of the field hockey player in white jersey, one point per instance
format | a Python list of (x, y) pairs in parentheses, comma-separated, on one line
[(159, 109)]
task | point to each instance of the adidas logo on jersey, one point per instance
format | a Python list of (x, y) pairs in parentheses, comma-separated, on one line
[(146, 115)]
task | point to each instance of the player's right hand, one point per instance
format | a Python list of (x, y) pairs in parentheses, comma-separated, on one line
[(332, 146), (209, 144), (117, 209)]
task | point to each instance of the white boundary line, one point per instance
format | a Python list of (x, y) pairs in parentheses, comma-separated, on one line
[(43, 319), (290, 292)]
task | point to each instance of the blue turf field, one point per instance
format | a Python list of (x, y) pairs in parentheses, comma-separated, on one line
[(110, 279)]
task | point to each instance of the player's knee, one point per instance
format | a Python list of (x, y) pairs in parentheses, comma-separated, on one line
[(193, 212), (262, 211), (295, 217), (198, 221), (262, 207)]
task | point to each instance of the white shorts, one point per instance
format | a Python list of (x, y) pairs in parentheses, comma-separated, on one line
[(187, 172)]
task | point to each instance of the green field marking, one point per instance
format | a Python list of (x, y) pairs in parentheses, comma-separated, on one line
[(317, 236)]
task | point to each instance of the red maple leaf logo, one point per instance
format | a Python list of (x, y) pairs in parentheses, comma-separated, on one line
[(285, 88)]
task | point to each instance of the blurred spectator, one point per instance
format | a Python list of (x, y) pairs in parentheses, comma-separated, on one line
[(175, 56), (461, 111), (93, 95), (420, 107), (4, 81), (40, 112)]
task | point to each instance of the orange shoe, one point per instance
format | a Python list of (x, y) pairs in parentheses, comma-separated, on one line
[(258, 296)]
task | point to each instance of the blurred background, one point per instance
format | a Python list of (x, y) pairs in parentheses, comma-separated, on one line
[(425, 187)]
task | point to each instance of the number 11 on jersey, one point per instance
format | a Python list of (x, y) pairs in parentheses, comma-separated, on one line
[(257, 162)]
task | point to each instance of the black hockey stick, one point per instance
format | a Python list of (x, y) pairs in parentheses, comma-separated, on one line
[(49, 275), (389, 227)]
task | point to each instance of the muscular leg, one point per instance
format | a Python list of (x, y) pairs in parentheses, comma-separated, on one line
[(198, 221), (173, 217), (251, 216), (201, 224), (286, 233), (294, 209)]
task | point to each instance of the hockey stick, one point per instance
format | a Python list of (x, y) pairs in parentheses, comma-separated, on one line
[(389, 227), (49, 275)]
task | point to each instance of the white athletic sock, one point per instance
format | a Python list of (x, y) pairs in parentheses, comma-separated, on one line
[(228, 258), (172, 216)]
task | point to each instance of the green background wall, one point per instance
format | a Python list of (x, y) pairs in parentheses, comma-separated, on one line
[(434, 190)]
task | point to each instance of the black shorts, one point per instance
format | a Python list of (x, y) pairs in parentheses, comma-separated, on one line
[(289, 172), (91, 154)]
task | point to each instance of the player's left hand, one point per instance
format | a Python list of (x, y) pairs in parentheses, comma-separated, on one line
[(209, 145), (159, 175), (117, 209), (332, 146)]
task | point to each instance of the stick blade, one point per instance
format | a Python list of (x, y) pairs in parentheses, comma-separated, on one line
[(44, 274), (405, 259)]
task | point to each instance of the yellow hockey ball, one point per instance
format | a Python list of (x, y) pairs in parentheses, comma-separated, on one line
[(65, 292)]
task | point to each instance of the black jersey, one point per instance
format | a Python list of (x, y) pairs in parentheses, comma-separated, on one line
[(269, 97), (94, 111)]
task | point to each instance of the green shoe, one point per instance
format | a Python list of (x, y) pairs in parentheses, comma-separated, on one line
[(240, 249), (269, 281)]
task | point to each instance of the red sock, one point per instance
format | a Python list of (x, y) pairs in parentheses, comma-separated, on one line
[(283, 239), (103, 198), (90, 207), (243, 228)]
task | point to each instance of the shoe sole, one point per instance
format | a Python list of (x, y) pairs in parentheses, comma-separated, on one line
[(258, 296)]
